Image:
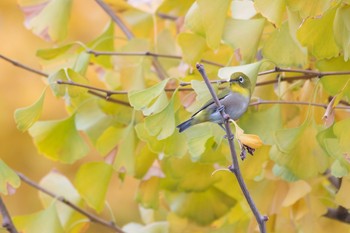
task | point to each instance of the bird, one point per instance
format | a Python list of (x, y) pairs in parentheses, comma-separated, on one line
[(235, 100)]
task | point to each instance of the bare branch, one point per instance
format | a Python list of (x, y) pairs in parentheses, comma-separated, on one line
[(25, 67), (234, 168), (6, 218), (259, 102), (91, 217), (147, 53)]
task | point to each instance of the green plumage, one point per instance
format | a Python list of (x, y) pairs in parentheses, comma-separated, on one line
[(235, 100)]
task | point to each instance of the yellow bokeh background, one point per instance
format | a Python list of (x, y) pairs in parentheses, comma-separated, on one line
[(20, 88)]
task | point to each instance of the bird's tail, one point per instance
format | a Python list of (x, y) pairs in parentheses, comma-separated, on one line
[(185, 125)]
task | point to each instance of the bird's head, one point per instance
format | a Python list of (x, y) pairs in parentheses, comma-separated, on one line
[(240, 82)]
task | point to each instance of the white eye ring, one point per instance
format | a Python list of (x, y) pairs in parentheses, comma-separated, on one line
[(241, 80)]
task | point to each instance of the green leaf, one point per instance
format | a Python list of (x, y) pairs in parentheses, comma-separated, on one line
[(92, 181), (82, 63), (251, 70), (297, 148), (57, 89), (9, 180), (166, 146), (144, 160), (193, 46), (150, 100), (341, 28), (71, 220), (206, 16), (148, 193), (335, 83), (211, 203), (26, 117), (52, 53), (40, 222), (104, 42), (244, 36), (312, 35), (272, 10), (162, 124), (59, 140), (49, 21), (125, 161), (109, 139), (289, 52), (309, 8), (263, 123)]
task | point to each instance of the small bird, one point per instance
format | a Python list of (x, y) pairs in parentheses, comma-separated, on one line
[(235, 100)]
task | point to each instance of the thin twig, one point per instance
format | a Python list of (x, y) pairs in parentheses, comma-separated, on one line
[(147, 53), (25, 67), (260, 102), (234, 168), (6, 218), (109, 99), (91, 217)]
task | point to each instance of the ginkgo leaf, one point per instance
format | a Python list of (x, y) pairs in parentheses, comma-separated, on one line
[(289, 52), (26, 117), (335, 83), (53, 53), (104, 42), (297, 148), (208, 17), (296, 190), (192, 46), (124, 160), (260, 123), (92, 181), (309, 8), (148, 193), (341, 28), (47, 19), (211, 203), (162, 124), (166, 146), (9, 180), (244, 36), (40, 222), (272, 10), (59, 140), (317, 35), (70, 219), (109, 139), (150, 100), (242, 9)]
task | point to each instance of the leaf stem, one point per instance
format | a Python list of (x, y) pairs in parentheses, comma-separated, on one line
[(91, 217), (6, 218), (234, 168)]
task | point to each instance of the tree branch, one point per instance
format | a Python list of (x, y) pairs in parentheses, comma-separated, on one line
[(147, 53), (234, 168), (260, 101), (25, 67), (91, 217), (6, 218)]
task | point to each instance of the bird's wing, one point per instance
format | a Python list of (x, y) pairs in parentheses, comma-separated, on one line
[(221, 95)]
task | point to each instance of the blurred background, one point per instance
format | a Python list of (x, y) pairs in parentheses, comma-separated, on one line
[(20, 88)]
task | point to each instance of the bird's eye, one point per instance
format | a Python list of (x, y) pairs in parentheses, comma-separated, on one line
[(241, 80)]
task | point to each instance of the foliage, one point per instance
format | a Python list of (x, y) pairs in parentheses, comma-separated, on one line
[(183, 185)]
